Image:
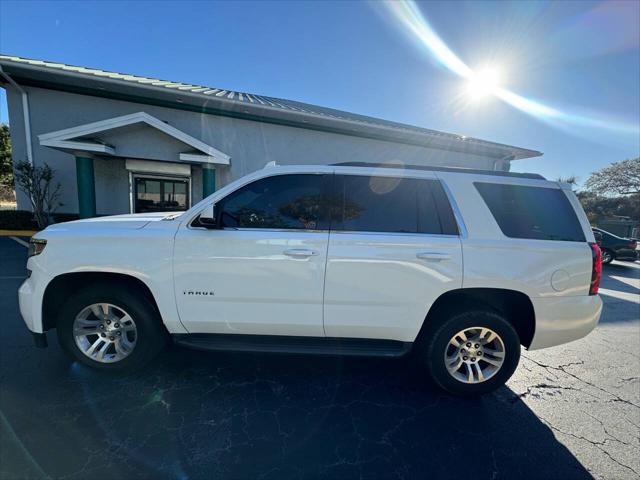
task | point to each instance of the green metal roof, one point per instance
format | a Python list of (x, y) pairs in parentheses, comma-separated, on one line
[(307, 115)]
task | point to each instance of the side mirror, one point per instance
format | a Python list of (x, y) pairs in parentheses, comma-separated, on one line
[(208, 216)]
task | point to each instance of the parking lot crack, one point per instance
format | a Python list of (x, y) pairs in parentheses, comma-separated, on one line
[(562, 368), (540, 386), (607, 433), (596, 444)]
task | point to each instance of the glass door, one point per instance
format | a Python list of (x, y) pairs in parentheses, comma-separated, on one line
[(155, 194)]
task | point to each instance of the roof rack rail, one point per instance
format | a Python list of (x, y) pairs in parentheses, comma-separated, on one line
[(497, 173)]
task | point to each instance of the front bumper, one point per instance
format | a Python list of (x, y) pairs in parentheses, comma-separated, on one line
[(25, 301), (564, 319), (30, 295)]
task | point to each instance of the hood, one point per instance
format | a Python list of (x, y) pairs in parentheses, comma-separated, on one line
[(128, 221)]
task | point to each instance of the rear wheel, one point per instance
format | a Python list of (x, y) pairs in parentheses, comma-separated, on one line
[(607, 256), (110, 328), (472, 353)]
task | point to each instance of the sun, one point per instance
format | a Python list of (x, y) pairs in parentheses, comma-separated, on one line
[(483, 83)]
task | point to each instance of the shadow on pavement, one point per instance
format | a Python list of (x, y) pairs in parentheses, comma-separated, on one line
[(613, 273), (208, 415), (620, 291)]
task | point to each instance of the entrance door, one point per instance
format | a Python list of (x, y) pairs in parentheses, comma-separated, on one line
[(159, 194)]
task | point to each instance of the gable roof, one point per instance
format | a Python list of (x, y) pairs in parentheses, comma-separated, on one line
[(245, 105), (72, 138)]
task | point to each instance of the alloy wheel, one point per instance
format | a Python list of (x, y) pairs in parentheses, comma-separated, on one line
[(105, 332), (474, 355)]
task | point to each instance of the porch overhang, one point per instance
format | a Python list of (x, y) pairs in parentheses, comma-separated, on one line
[(138, 136), (98, 138)]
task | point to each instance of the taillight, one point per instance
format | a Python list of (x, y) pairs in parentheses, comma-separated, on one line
[(596, 268), (633, 245)]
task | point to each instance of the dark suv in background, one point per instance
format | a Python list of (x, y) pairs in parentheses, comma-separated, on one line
[(614, 247)]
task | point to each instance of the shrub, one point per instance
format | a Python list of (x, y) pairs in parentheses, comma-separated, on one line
[(7, 194), (37, 184), (25, 220), (17, 220)]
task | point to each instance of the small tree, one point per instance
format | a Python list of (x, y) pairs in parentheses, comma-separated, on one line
[(619, 178), (36, 183)]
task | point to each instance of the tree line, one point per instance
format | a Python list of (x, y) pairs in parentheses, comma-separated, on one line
[(611, 191)]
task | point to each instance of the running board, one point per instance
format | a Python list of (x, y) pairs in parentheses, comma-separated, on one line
[(361, 347)]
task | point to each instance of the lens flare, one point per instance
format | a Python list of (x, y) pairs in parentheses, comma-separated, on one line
[(486, 82), (411, 17), (483, 84)]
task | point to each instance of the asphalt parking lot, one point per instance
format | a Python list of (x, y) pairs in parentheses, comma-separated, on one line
[(569, 412)]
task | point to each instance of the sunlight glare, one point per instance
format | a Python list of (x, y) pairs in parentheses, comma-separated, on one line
[(486, 83), (483, 83)]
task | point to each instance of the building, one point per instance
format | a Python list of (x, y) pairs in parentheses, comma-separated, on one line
[(122, 143), (619, 225)]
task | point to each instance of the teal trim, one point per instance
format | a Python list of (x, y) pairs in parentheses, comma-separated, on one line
[(208, 181), (86, 187)]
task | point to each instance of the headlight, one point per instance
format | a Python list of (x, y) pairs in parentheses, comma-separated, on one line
[(36, 246)]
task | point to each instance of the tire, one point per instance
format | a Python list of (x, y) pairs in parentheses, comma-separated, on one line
[(607, 256), (437, 345), (145, 335)]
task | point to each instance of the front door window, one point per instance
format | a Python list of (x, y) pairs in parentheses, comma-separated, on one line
[(283, 202), (160, 194)]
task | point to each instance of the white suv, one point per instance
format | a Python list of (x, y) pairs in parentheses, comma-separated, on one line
[(458, 267)]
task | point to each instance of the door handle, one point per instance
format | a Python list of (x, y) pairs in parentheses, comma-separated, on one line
[(300, 252), (433, 256)]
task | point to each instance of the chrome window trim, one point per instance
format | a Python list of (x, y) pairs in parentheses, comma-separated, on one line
[(398, 234), (348, 232), (274, 230)]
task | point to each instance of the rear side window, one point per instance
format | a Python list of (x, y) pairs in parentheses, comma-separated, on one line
[(532, 212), (390, 204)]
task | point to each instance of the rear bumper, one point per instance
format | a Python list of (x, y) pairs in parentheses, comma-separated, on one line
[(564, 319), (626, 255)]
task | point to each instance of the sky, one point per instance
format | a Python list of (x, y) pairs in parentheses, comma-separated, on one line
[(559, 77)]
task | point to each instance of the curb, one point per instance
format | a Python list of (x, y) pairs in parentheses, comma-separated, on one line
[(17, 233)]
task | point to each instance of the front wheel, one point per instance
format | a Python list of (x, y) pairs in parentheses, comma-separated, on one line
[(110, 328), (473, 352)]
